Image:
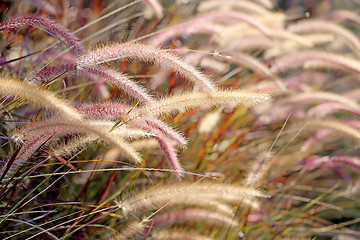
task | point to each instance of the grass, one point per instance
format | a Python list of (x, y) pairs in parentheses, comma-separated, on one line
[(179, 120)]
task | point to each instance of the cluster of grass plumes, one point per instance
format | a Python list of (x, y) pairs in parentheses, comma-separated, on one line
[(178, 119)]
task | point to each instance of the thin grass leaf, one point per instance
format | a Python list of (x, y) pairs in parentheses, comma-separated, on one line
[(121, 119)]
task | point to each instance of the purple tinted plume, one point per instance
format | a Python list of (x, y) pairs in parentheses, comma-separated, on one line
[(42, 23)]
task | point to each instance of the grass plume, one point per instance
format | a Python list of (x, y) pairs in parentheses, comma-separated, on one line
[(42, 23), (98, 131), (39, 97), (146, 53)]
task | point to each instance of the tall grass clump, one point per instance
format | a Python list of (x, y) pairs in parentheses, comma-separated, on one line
[(203, 119)]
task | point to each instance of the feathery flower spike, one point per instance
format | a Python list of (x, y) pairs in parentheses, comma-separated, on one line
[(111, 76), (298, 59), (194, 100), (51, 26), (113, 111), (307, 26), (244, 6), (199, 22), (146, 53), (159, 197), (38, 96), (62, 127)]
